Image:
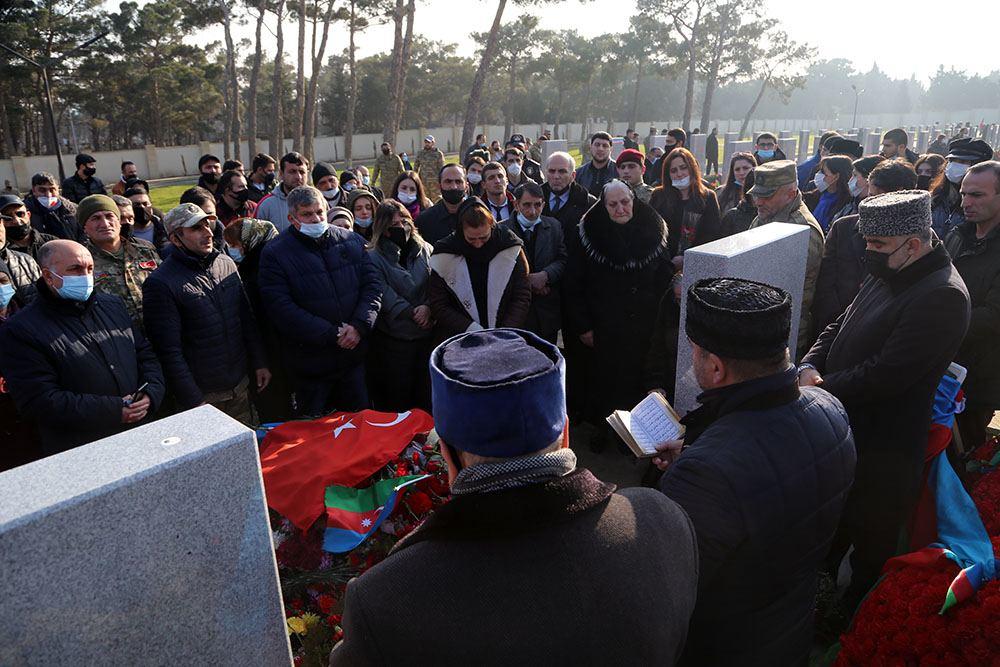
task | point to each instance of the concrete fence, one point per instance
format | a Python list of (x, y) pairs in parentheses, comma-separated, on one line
[(171, 161)]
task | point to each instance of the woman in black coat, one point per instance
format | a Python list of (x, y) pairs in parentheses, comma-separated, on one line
[(619, 269), (690, 209)]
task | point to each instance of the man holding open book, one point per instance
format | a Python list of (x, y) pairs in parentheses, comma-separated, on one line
[(764, 474)]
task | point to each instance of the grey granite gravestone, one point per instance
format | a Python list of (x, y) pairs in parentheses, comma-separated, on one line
[(774, 254), (151, 547), (553, 146), (696, 144), (789, 146), (804, 152)]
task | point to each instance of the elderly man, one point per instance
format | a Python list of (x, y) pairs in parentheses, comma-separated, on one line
[(884, 358), (529, 543), (441, 219), (73, 360), (764, 477), (322, 292), (294, 169), (388, 167), (24, 270), (565, 199), (200, 322), (83, 183), (428, 165), (619, 268), (600, 170), (776, 194), (19, 233), (121, 265), (51, 213)]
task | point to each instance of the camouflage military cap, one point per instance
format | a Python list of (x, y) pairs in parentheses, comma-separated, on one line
[(771, 176)]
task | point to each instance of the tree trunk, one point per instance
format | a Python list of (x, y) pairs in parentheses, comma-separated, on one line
[(227, 118), (7, 147), (753, 107), (635, 96), (558, 115), (706, 106), (278, 131), (300, 81), (395, 74), (352, 94), (232, 81), (508, 121), (689, 90), (254, 80), (309, 134), (475, 95), (404, 70)]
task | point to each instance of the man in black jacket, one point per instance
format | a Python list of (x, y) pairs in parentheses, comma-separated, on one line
[(23, 269), (974, 247), (440, 219), (19, 233), (531, 553), (73, 360), (565, 199), (200, 323), (546, 252), (51, 213), (83, 183), (884, 358), (764, 474)]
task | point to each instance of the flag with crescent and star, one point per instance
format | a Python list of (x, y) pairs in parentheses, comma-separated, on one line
[(354, 514), (299, 459)]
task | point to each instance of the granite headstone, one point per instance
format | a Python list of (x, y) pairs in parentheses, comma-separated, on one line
[(151, 547), (774, 254)]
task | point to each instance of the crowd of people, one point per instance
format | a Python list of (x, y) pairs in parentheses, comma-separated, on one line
[(271, 298)]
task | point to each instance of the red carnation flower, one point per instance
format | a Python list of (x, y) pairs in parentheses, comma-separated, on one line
[(419, 503)]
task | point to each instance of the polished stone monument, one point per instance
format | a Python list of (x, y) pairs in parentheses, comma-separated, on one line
[(774, 254), (151, 547)]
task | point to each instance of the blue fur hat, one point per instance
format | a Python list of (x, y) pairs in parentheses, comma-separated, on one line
[(498, 392)]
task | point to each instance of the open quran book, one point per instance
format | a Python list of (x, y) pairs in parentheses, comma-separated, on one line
[(647, 425)]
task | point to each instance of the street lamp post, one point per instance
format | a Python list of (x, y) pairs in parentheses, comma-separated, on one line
[(857, 94), (44, 69)]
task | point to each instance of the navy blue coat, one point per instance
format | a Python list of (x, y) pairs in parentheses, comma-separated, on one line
[(199, 320), (310, 288), (68, 365), (764, 479)]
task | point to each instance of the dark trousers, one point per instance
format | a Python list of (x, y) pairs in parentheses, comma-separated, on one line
[(712, 163), (316, 396), (398, 374), (972, 424)]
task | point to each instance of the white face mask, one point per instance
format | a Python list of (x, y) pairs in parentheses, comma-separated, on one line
[(514, 169), (407, 197), (314, 229), (682, 183), (854, 187), (49, 202), (474, 177), (331, 194), (955, 171), (820, 180)]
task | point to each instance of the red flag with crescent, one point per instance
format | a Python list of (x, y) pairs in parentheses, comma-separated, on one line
[(299, 459)]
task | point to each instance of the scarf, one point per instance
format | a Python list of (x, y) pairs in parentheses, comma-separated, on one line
[(514, 473), (255, 232)]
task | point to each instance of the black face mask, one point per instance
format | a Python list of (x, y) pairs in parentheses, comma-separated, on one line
[(17, 232), (453, 197), (269, 178), (385, 151), (140, 216), (242, 196), (89, 171), (923, 182), (877, 263), (399, 235), (210, 177), (126, 230)]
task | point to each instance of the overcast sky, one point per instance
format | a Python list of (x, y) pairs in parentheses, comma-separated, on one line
[(851, 29)]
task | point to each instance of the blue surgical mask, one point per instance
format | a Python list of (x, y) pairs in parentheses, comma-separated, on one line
[(235, 253), (314, 229), (525, 223), (366, 180), (767, 155), (6, 294), (738, 183), (76, 288), (364, 223)]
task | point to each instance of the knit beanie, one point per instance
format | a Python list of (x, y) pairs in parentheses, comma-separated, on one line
[(321, 170), (88, 206), (631, 155)]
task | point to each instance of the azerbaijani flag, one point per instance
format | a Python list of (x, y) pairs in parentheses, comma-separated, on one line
[(354, 514)]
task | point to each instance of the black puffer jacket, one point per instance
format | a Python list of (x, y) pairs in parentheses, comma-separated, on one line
[(200, 323), (764, 479), (24, 270), (577, 203), (68, 365)]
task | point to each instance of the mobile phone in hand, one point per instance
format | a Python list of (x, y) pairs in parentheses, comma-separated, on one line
[(137, 396)]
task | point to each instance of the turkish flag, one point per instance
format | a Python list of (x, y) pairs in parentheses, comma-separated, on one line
[(299, 459)]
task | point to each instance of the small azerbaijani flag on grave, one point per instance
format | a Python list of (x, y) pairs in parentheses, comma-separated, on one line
[(354, 514)]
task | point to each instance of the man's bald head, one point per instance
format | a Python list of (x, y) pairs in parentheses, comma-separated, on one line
[(64, 258)]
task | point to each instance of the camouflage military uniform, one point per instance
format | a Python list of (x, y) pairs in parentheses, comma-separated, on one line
[(123, 274), (388, 167), (427, 166), (535, 152)]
